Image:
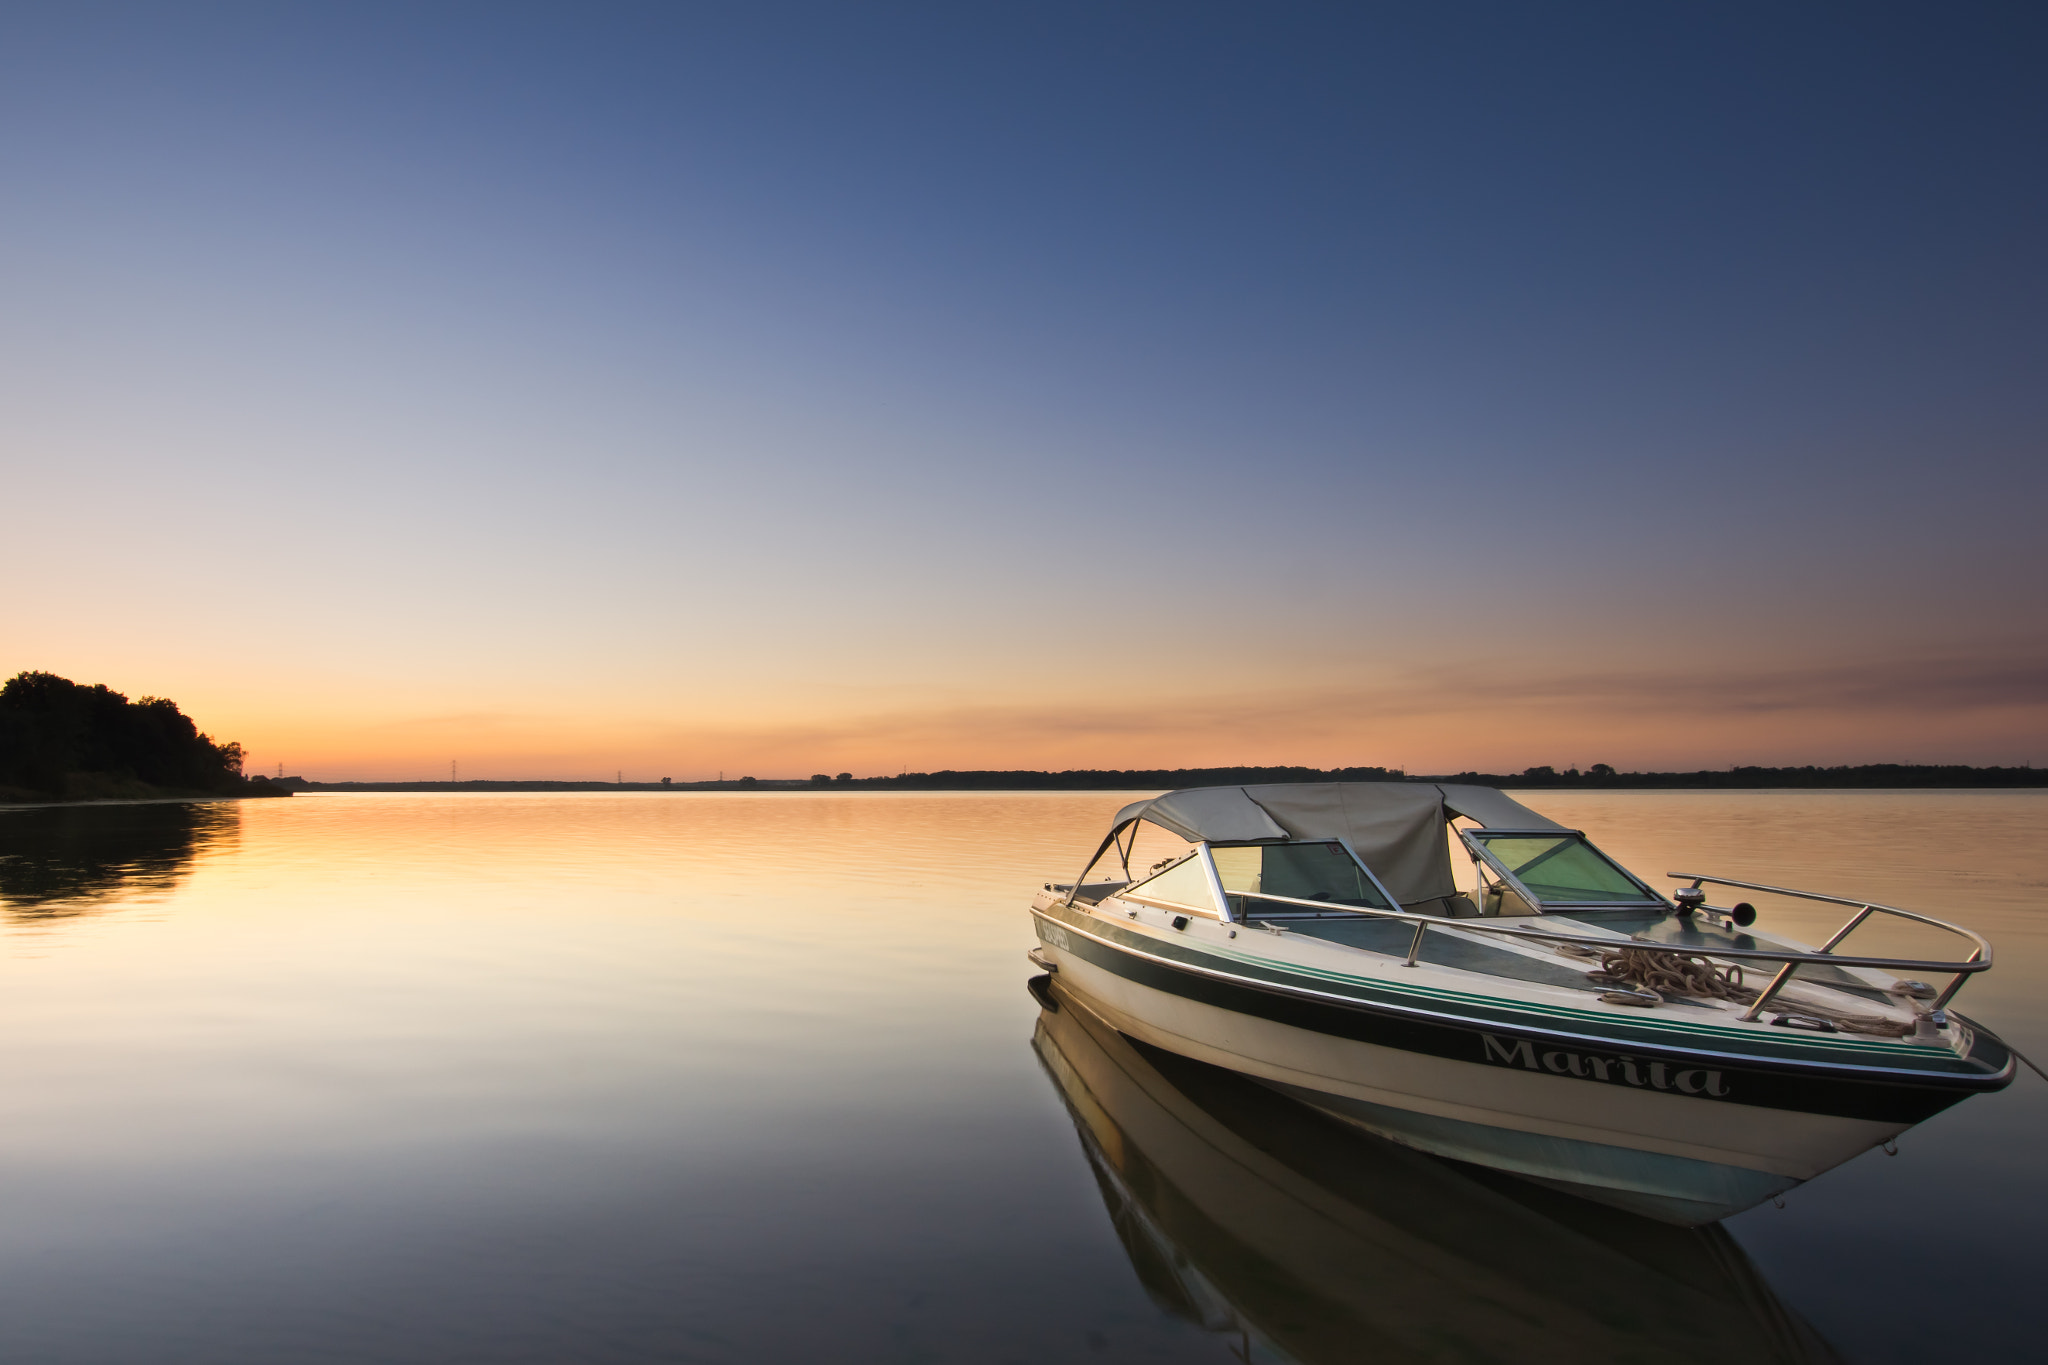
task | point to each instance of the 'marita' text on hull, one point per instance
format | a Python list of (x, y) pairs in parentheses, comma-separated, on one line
[(1620, 1070)]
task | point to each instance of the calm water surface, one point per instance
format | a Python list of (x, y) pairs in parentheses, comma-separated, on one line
[(702, 1077)]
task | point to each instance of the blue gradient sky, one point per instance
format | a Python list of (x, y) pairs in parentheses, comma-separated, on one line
[(780, 388)]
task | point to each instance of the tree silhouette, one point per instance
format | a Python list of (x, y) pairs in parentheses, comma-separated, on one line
[(56, 736)]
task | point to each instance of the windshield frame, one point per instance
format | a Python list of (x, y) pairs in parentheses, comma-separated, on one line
[(1475, 841), (1284, 909)]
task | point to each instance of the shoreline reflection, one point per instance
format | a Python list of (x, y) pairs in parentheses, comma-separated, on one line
[(1299, 1239), (61, 861)]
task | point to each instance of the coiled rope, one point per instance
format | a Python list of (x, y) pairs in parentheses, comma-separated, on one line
[(1693, 975), (1673, 974)]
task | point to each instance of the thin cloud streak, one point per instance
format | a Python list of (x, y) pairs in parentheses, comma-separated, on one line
[(1897, 685), (1908, 687), (1913, 703), (1974, 709)]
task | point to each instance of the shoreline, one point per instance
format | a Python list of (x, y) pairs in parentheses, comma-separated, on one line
[(1866, 777), (53, 802), (1968, 780)]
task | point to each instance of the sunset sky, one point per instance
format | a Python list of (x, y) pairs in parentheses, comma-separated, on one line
[(570, 389)]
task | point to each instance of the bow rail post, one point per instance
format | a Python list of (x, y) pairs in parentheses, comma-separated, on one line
[(1785, 972), (1953, 987)]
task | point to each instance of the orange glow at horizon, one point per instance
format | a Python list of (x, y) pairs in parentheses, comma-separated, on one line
[(1385, 728)]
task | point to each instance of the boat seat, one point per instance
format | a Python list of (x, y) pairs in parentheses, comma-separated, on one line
[(1503, 901), (1450, 907)]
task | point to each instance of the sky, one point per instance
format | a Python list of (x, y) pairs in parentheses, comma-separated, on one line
[(667, 389)]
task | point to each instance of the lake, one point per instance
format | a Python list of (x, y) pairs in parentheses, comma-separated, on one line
[(722, 1077)]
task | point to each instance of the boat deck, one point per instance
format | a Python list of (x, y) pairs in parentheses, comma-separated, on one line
[(1471, 953), (1461, 945)]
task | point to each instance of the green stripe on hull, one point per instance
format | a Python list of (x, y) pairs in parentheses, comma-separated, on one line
[(1746, 1042), (1532, 1042)]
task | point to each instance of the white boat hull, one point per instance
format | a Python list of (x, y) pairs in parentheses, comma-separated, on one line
[(1670, 1156), (1274, 949)]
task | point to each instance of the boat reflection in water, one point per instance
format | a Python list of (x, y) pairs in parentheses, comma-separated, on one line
[(1307, 1240)]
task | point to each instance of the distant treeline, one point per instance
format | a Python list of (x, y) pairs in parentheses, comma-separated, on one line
[(1099, 779), (63, 740), (1752, 778), (1599, 776)]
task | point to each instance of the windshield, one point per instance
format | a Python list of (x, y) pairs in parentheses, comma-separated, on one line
[(1310, 872), (1185, 884), (1561, 868)]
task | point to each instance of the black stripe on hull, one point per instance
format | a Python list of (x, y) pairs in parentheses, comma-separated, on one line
[(1811, 1088)]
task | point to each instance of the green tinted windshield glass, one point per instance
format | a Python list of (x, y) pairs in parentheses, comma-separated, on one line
[(1560, 868), (1310, 872)]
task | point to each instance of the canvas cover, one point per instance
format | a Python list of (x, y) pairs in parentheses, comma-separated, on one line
[(1396, 827), (1222, 815), (1492, 808)]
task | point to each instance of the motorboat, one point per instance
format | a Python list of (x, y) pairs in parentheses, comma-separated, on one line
[(1298, 1238), (1558, 1018)]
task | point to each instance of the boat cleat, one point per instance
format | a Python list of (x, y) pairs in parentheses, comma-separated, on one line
[(1640, 999), (1932, 1027)]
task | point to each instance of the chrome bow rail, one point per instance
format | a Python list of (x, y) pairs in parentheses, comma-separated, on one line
[(1791, 959), (1978, 961)]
